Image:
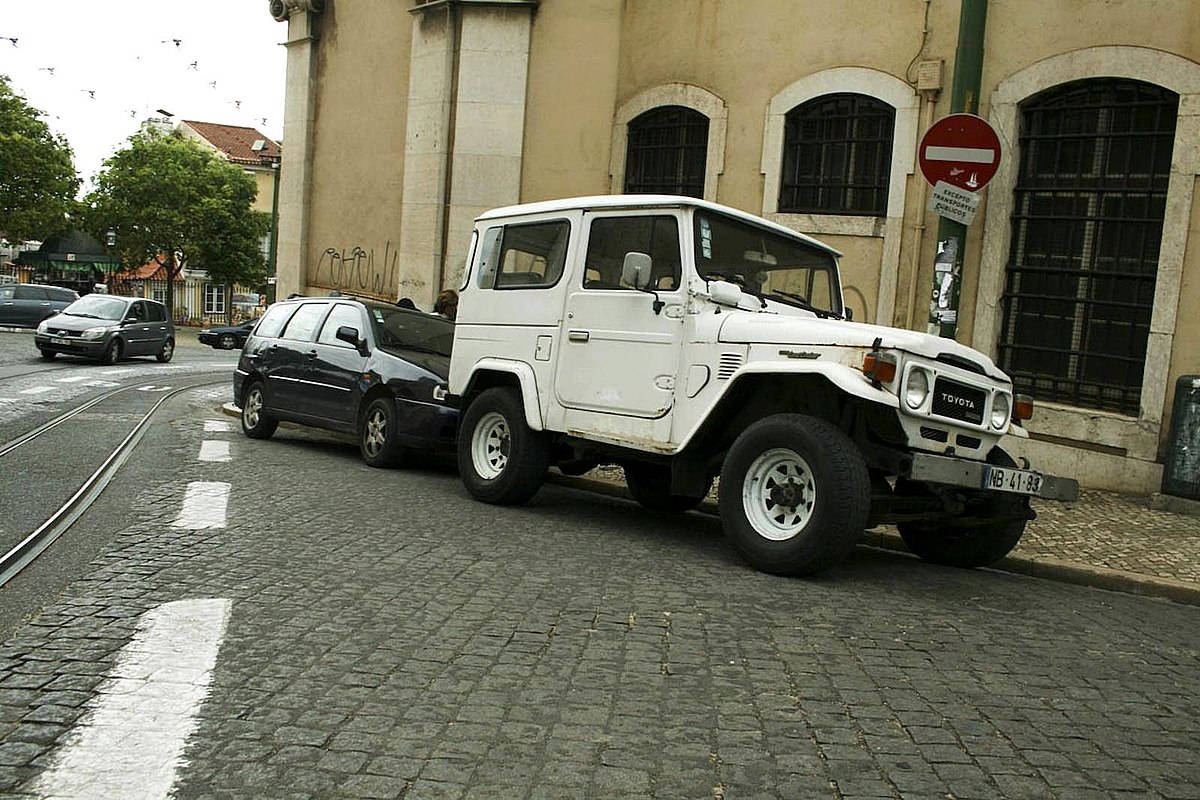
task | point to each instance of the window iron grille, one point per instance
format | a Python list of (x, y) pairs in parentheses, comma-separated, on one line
[(1095, 159), (667, 152), (837, 156)]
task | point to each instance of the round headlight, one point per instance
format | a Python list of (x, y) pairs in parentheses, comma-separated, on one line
[(1001, 411), (916, 390)]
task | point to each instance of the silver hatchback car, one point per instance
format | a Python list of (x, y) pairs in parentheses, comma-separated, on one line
[(108, 328)]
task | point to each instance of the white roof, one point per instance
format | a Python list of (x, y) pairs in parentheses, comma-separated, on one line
[(610, 201)]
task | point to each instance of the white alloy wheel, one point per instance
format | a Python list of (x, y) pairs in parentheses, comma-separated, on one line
[(490, 444), (376, 433), (252, 408), (778, 494)]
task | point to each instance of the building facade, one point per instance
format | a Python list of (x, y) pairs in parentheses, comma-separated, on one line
[(1081, 272)]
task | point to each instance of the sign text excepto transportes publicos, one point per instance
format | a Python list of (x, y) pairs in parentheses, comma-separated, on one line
[(953, 203)]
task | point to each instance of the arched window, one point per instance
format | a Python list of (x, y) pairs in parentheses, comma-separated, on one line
[(668, 148), (1095, 159), (837, 156)]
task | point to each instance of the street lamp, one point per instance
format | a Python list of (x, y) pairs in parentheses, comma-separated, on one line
[(110, 238)]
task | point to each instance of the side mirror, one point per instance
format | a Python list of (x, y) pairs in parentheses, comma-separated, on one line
[(725, 293), (635, 271), (849, 314), (349, 335)]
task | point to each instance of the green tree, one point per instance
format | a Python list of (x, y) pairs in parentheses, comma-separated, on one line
[(174, 202), (38, 181)]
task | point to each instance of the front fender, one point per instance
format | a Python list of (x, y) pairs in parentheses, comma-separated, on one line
[(845, 378), (525, 377)]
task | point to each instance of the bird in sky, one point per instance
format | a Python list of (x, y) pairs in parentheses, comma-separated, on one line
[(12, 39), (47, 69), (91, 93), (169, 41), (194, 66)]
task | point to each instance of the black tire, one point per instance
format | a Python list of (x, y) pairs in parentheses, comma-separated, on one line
[(501, 460), (256, 422), (812, 519), (227, 341), (970, 545), (48, 355), (377, 434), (112, 353), (650, 485), (166, 352)]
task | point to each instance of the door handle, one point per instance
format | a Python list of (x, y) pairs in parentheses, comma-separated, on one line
[(311, 354), (578, 336)]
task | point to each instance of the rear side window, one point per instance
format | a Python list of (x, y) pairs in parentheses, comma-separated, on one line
[(63, 295), (273, 321), (342, 314), (303, 323), (155, 312), (531, 256), (30, 293)]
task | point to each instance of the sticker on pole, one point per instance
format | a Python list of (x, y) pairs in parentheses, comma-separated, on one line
[(954, 203), (962, 150)]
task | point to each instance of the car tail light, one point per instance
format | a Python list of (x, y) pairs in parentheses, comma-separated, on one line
[(879, 367)]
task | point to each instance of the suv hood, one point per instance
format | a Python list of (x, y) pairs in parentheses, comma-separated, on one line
[(742, 327)]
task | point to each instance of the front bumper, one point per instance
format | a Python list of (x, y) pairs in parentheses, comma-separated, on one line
[(970, 474), (92, 348), (425, 426)]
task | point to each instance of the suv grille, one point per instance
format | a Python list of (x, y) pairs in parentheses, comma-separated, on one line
[(955, 400), (727, 365)]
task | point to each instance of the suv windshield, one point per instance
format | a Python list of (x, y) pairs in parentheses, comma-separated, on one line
[(98, 306), (766, 263), (401, 329)]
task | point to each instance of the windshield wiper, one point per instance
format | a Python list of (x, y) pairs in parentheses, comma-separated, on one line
[(803, 302), (82, 314)]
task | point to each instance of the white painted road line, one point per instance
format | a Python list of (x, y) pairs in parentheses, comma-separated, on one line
[(217, 425), (130, 742), (101, 383), (214, 450), (37, 390), (203, 506), (153, 388), (73, 379), (115, 371)]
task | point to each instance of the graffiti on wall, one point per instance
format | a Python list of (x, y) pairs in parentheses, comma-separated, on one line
[(360, 271)]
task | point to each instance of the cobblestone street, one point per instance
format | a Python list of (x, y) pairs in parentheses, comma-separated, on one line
[(390, 638)]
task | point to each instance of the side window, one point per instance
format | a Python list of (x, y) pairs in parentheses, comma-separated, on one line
[(30, 293), (532, 256), (273, 321), (156, 312), (489, 257), (61, 295), (6, 292), (612, 237), (138, 311), (341, 315), (304, 322)]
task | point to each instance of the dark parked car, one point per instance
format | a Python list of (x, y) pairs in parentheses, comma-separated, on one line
[(227, 337), (24, 305), (108, 328), (352, 365)]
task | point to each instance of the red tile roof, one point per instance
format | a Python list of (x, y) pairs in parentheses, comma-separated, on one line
[(148, 271), (235, 141)]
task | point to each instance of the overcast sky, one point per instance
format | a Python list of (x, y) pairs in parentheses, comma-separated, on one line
[(227, 67)]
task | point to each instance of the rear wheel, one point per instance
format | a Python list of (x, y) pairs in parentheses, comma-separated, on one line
[(256, 423), (112, 353), (795, 494), (650, 485), (167, 351), (990, 527), (501, 459), (377, 434), (48, 355)]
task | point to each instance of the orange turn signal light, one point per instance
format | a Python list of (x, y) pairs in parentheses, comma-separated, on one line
[(879, 367), (1023, 407)]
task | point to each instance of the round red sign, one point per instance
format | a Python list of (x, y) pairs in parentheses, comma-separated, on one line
[(962, 150)]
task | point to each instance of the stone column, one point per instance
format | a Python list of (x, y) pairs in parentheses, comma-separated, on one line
[(295, 177)]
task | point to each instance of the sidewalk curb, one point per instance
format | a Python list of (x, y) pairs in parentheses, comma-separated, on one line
[(1049, 568)]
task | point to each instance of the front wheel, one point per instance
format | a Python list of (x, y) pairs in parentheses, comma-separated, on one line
[(377, 434), (990, 527), (166, 352), (227, 341), (795, 494), (501, 459), (256, 423), (650, 485), (112, 353)]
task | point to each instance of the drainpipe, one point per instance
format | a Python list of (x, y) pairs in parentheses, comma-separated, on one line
[(449, 122), (964, 99)]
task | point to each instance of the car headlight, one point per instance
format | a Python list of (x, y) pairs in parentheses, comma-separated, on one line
[(44, 326), (95, 333), (916, 389), (1001, 411)]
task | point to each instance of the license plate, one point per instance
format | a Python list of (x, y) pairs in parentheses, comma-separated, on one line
[(56, 340), (1010, 479)]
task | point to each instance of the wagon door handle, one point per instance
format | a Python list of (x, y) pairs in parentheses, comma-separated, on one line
[(578, 336)]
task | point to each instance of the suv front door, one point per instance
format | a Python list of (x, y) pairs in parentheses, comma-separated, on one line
[(139, 338), (618, 356)]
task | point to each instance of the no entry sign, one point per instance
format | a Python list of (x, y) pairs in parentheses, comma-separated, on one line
[(962, 150)]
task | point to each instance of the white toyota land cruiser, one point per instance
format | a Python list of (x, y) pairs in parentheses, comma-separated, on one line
[(686, 340)]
